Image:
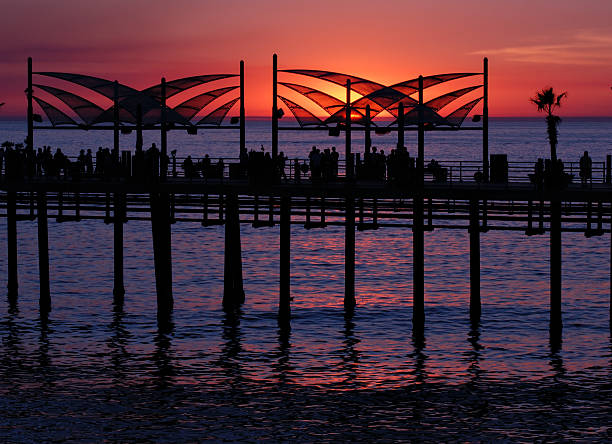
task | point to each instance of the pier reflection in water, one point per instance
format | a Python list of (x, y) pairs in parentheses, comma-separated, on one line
[(91, 373)]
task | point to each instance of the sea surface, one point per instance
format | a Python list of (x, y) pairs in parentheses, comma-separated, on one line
[(88, 372)]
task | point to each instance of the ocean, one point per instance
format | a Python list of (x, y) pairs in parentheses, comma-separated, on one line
[(89, 373)]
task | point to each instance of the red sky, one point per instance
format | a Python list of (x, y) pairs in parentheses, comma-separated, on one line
[(530, 44)]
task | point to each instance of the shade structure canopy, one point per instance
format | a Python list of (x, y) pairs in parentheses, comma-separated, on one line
[(92, 108), (437, 111)]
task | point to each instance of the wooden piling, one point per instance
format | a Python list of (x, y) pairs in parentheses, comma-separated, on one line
[(11, 225), (233, 291), (418, 265), (349, 253), (284, 308), (555, 266), (162, 253), (118, 220), (475, 305), (43, 253), (418, 246)]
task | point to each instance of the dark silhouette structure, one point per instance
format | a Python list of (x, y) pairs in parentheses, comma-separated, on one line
[(227, 192)]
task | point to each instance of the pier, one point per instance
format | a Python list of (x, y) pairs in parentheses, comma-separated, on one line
[(480, 196), (481, 209)]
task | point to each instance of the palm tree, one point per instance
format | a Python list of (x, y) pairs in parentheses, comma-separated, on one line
[(547, 101)]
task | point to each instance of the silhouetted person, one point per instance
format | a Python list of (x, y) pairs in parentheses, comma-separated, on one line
[(188, 168), (586, 166), (334, 156), (206, 166), (89, 163), (280, 165), (81, 159)]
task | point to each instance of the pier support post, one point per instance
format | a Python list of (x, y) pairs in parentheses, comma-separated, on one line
[(43, 253), (349, 253), (162, 253), (555, 267), (233, 291), (475, 306), (118, 288), (11, 231), (418, 265), (284, 308)]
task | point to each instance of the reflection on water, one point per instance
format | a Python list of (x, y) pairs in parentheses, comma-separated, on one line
[(88, 371), (282, 363), (350, 353)]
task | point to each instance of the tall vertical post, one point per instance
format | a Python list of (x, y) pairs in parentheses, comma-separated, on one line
[(43, 253), (164, 132), (418, 248), (349, 241), (555, 267), (400, 126), (421, 136), (284, 309), (368, 132), (116, 121), (118, 289), (475, 305), (11, 231), (485, 120), (274, 106), (242, 112), (348, 154), (139, 142), (30, 144)]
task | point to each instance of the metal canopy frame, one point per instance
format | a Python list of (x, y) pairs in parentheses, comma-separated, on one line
[(377, 97), (126, 112)]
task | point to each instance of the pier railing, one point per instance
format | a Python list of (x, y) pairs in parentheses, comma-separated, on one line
[(298, 169)]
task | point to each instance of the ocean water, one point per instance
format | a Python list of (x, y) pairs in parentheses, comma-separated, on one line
[(91, 373)]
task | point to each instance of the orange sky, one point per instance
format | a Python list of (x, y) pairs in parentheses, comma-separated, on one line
[(530, 44)]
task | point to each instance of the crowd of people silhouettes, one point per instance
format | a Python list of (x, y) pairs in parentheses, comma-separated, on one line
[(258, 166)]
